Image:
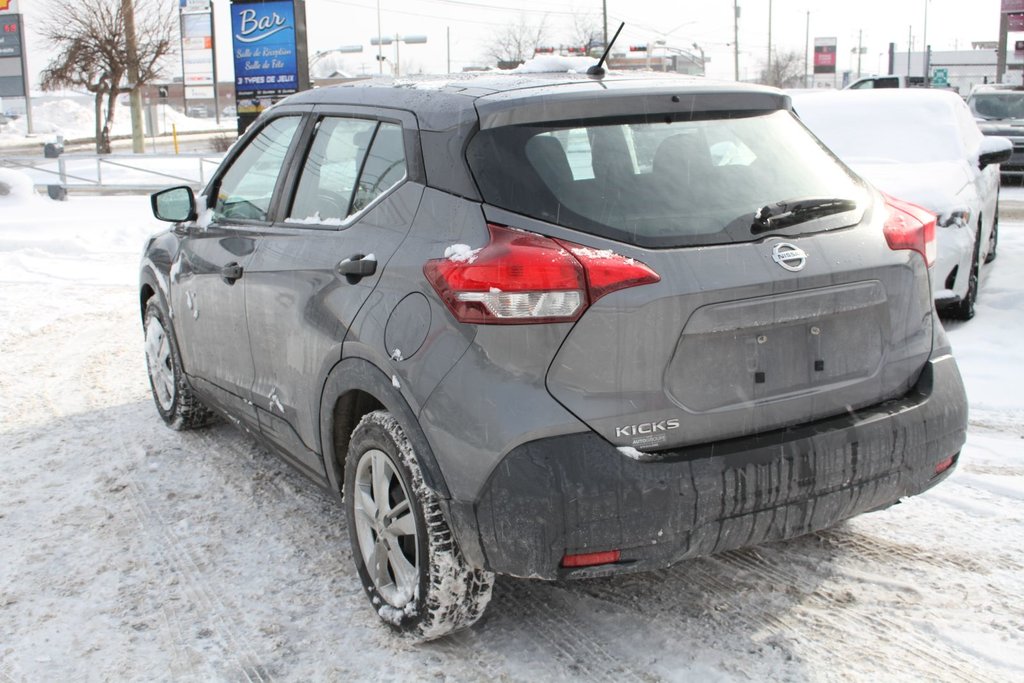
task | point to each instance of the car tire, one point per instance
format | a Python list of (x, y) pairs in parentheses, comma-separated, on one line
[(993, 238), (410, 565), (964, 309), (179, 407)]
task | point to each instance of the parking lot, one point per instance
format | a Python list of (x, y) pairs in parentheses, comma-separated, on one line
[(135, 552)]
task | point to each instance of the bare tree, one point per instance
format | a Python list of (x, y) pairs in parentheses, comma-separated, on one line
[(88, 41), (785, 71), (586, 31), (516, 42)]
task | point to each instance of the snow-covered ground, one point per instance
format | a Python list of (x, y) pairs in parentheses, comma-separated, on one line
[(73, 117), (131, 552)]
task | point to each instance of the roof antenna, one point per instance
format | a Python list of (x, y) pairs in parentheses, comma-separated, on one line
[(598, 69)]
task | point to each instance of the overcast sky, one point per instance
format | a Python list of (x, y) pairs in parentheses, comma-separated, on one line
[(333, 23)]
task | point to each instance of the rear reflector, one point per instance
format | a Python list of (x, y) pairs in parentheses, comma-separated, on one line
[(944, 465), (521, 277), (591, 559), (908, 226)]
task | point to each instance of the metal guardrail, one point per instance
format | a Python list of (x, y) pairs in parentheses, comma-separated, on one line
[(116, 172)]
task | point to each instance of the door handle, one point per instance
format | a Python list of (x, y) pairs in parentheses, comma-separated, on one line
[(356, 267), (231, 272)]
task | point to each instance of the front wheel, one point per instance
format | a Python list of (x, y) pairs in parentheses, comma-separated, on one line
[(411, 567), (964, 309), (993, 238), (178, 406)]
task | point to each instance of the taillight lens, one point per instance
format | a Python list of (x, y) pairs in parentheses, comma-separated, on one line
[(521, 277), (908, 226), (591, 559)]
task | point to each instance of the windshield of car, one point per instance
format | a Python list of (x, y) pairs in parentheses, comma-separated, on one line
[(656, 181), (998, 105)]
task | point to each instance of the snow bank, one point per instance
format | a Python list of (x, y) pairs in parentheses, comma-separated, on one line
[(15, 188), (75, 118), (85, 240)]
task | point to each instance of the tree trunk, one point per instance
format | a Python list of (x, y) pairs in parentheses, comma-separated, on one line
[(108, 123), (98, 96)]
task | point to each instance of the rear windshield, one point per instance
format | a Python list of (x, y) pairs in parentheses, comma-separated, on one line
[(657, 182)]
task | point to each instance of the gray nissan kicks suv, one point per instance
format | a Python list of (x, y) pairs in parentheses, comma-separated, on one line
[(554, 326)]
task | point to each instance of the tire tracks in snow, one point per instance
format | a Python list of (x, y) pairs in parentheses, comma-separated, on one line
[(925, 660), (178, 555), (175, 552)]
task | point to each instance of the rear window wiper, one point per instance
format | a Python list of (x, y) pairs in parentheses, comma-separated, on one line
[(794, 211)]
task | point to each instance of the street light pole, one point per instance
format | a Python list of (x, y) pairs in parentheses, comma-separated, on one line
[(769, 39), (380, 48), (736, 38), (924, 44)]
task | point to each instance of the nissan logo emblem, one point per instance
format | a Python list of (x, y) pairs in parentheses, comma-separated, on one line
[(789, 256)]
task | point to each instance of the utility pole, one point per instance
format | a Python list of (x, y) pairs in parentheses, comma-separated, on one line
[(769, 39), (807, 49), (924, 42), (860, 49), (910, 46), (736, 37), (138, 142), (604, 13), (448, 39), (1004, 28)]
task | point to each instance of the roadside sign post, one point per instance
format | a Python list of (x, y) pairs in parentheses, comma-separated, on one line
[(269, 52), (13, 58)]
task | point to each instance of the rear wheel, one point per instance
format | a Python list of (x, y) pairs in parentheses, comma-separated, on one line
[(178, 406), (411, 568)]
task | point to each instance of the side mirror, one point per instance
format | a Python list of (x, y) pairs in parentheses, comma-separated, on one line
[(176, 205), (994, 150)]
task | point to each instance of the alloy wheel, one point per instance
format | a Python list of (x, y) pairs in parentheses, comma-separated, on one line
[(160, 363), (386, 528)]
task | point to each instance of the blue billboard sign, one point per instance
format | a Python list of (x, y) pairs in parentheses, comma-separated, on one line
[(264, 46)]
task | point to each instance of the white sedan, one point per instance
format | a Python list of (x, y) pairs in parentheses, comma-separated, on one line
[(925, 147)]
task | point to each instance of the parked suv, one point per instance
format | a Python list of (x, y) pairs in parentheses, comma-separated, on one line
[(554, 326), (1000, 112)]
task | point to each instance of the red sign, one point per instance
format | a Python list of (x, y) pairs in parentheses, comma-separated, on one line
[(824, 55), (1015, 22), (1013, 5)]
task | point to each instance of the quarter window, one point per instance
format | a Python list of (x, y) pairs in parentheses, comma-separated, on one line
[(245, 190), (350, 163)]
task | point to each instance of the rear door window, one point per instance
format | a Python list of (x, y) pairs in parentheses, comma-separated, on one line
[(658, 183), (350, 163)]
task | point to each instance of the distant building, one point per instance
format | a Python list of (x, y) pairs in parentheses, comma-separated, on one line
[(965, 68)]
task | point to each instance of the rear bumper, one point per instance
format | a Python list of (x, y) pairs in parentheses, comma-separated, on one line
[(579, 494)]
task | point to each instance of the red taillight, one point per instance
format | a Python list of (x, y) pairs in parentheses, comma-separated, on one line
[(522, 277), (591, 559), (608, 272), (944, 465), (908, 226)]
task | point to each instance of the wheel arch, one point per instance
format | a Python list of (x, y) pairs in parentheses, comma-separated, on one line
[(353, 388)]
